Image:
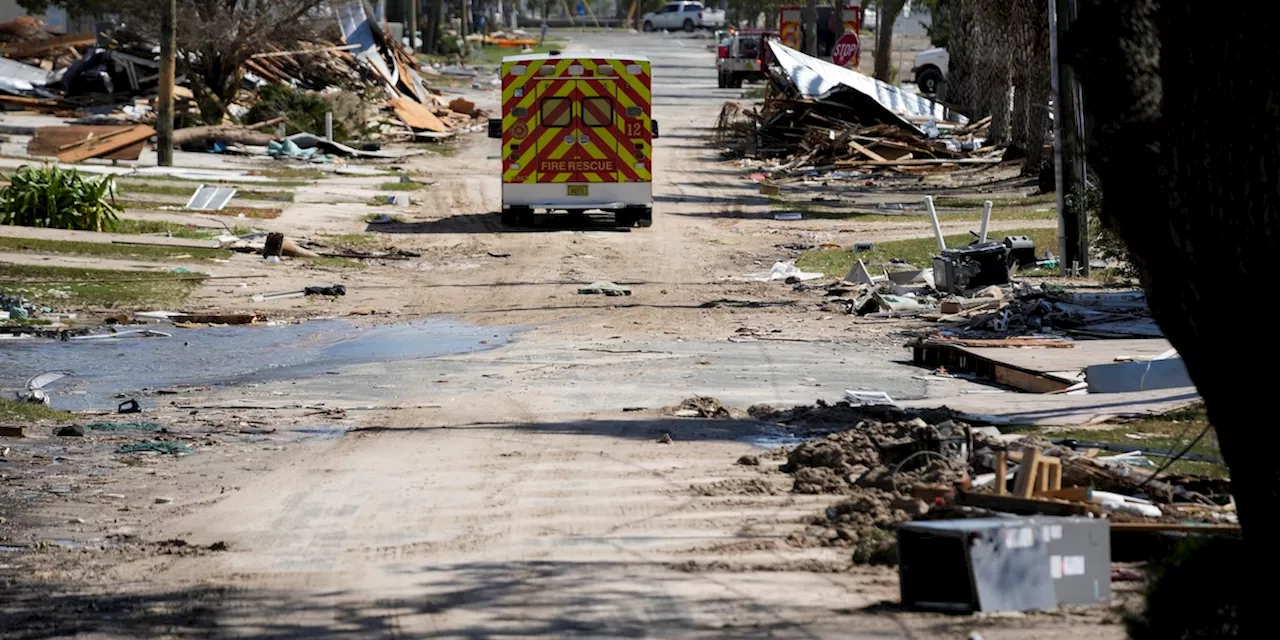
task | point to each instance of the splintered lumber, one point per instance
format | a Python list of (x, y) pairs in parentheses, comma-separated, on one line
[(1024, 483), (1001, 470), (1026, 506), (463, 106), (100, 146), (48, 141), (417, 116), (866, 152), (40, 48)]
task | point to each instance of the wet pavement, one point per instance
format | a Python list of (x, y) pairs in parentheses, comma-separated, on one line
[(227, 355)]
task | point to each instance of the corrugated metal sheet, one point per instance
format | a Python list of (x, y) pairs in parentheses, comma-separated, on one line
[(208, 198), (821, 80), (357, 29)]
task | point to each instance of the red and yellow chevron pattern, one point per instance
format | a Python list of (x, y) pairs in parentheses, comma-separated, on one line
[(576, 120)]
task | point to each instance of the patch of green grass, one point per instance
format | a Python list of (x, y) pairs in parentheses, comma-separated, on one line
[(336, 263), (996, 202), (75, 287), (110, 250), (295, 173), (1169, 432), (174, 190), (917, 252), (149, 227), (12, 411), (400, 186), (351, 239)]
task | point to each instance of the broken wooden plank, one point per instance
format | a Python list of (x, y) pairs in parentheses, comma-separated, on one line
[(104, 145), (1027, 506), (417, 116), (920, 162), (12, 432), (1073, 494), (40, 48), (48, 141), (1025, 482), (866, 152)]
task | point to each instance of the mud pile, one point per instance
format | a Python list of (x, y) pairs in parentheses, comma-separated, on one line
[(878, 465)]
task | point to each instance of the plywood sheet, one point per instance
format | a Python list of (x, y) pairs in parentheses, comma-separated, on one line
[(417, 116), (1074, 359), (48, 140), (96, 147)]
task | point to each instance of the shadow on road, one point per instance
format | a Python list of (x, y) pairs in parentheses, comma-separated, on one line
[(463, 600), (490, 222)]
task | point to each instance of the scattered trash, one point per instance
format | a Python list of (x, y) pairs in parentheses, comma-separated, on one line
[(123, 426), (171, 448), (604, 287), (783, 271), (788, 215), (35, 392), (867, 398), (332, 290), (129, 406), (71, 431), (665, 439)]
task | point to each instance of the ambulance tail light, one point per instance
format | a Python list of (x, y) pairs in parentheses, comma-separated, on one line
[(495, 127), (722, 51)]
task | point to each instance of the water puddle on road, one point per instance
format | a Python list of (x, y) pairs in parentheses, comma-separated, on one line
[(215, 356)]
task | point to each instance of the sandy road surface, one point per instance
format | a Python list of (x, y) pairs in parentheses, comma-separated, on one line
[(528, 503)]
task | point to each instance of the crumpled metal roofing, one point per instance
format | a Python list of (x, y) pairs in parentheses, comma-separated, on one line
[(821, 80)]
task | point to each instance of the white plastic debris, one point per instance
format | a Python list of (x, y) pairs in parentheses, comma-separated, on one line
[(867, 398), (782, 271)]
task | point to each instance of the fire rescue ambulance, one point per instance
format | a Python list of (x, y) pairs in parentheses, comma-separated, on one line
[(577, 132)]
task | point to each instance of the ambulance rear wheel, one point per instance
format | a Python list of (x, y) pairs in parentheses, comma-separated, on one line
[(721, 81), (645, 219), (735, 81), (517, 216)]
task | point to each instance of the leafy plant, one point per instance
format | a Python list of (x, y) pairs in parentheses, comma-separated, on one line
[(49, 196), (303, 111)]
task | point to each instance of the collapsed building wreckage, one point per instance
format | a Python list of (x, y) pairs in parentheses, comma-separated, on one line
[(889, 468), (107, 82), (819, 119)]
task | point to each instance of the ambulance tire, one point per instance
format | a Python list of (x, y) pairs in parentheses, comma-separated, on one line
[(645, 220), (721, 81), (517, 217), (735, 81)]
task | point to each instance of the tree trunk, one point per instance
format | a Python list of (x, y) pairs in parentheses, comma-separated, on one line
[(885, 18), (1181, 130)]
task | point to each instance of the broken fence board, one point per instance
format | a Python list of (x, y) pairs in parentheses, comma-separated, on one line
[(48, 141), (417, 116), (97, 147)]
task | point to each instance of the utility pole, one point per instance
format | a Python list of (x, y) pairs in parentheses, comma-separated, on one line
[(413, 25), (1070, 173), (168, 64), (811, 27)]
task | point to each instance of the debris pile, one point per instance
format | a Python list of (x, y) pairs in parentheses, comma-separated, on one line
[(820, 119), (67, 75), (896, 464)]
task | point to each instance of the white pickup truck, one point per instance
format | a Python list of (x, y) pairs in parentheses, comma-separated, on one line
[(683, 15)]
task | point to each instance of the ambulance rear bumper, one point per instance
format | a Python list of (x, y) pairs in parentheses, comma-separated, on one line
[(600, 195)]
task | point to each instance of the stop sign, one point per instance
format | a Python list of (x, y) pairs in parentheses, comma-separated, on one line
[(846, 49)]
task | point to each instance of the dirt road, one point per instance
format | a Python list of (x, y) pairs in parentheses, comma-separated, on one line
[(528, 502)]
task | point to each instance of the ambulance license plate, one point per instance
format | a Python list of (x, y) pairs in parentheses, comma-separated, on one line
[(577, 189)]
